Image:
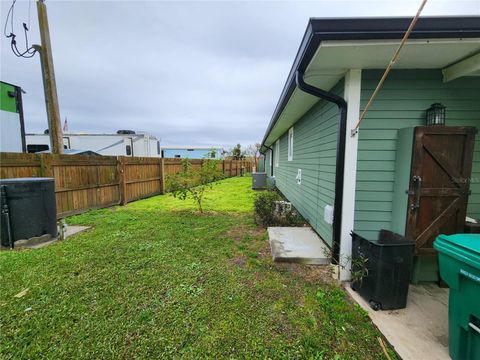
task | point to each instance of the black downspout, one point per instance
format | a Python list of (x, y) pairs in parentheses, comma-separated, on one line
[(339, 171), (271, 159)]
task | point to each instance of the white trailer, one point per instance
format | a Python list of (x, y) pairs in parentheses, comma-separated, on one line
[(12, 130), (126, 143)]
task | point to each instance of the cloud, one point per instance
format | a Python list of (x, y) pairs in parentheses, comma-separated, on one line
[(201, 73)]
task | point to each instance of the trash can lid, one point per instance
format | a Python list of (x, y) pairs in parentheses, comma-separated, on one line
[(470, 242), (26, 180)]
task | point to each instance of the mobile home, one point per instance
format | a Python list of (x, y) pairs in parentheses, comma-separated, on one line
[(124, 142), (396, 172), (12, 129)]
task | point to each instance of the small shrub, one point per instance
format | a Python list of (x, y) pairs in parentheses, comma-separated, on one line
[(264, 206), (358, 266), (266, 215), (191, 183)]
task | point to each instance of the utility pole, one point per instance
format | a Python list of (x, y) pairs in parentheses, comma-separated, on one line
[(49, 84)]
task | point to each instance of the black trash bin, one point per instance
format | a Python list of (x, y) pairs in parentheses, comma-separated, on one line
[(389, 264), (28, 209)]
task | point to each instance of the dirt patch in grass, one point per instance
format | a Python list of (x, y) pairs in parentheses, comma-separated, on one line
[(240, 261), (312, 274), (241, 231), (265, 253)]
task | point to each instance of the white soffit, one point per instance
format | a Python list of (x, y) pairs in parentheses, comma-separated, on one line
[(334, 58), (375, 54), (297, 105)]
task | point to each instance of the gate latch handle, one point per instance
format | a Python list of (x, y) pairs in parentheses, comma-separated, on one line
[(417, 181)]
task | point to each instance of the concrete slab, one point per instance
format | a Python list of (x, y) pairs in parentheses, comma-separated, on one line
[(45, 240), (75, 229), (71, 230), (420, 331), (35, 242), (297, 244)]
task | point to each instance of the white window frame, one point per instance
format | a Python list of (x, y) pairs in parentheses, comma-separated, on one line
[(290, 144), (277, 153)]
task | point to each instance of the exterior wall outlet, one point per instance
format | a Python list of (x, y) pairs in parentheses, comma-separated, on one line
[(328, 214)]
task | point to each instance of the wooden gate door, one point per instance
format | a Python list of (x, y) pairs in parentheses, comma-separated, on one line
[(439, 183)]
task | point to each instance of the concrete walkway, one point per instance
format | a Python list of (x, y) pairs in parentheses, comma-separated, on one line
[(297, 244), (420, 331)]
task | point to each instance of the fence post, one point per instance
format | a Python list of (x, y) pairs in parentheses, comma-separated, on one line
[(223, 166), (162, 175), (122, 185), (46, 168)]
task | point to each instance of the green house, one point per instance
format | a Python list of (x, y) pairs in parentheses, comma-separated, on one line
[(396, 172)]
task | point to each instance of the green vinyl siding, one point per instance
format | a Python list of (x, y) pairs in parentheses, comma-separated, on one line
[(314, 152), (401, 103), (7, 103)]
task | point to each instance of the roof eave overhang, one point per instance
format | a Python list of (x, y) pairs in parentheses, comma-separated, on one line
[(319, 30)]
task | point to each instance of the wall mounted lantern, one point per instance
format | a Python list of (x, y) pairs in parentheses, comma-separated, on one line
[(436, 114)]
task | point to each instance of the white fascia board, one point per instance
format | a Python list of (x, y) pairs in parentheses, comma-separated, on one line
[(462, 68), (353, 82)]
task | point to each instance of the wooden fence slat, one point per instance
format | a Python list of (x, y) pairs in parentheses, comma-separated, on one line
[(91, 182)]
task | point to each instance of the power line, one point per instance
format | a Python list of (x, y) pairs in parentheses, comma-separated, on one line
[(10, 12), (30, 50)]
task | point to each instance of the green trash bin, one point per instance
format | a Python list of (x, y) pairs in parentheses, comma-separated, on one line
[(459, 262)]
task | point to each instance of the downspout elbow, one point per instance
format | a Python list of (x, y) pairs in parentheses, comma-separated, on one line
[(312, 90)]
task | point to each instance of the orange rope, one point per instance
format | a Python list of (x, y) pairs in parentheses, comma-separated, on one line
[(389, 67)]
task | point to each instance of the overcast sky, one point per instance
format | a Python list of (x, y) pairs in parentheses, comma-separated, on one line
[(201, 73)]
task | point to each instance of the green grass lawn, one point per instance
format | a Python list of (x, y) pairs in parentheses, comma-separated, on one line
[(156, 279)]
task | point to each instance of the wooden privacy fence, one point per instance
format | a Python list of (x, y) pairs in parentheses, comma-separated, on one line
[(91, 182)]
